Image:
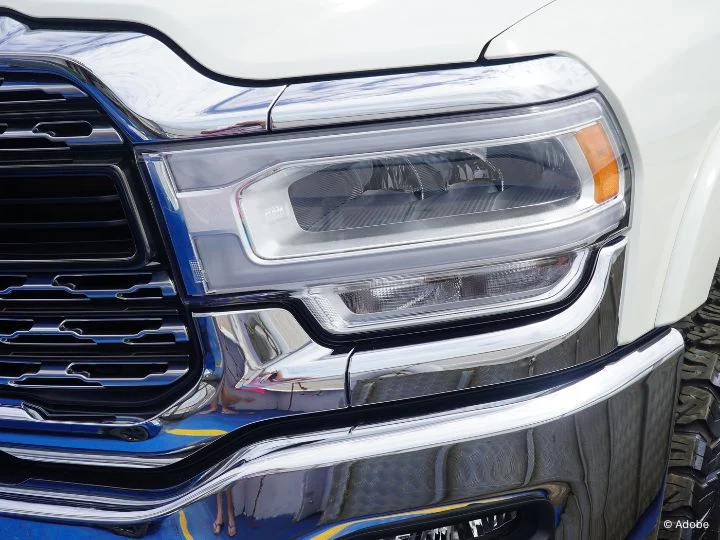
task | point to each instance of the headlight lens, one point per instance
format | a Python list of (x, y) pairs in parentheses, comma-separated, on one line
[(388, 225), (397, 301), (359, 203)]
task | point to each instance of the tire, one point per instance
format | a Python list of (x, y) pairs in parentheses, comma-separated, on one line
[(692, 489)]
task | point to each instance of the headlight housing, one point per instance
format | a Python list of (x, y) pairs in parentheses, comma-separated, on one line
[(401, 223)]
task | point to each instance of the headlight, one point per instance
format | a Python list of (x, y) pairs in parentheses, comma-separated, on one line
[(399, 223)]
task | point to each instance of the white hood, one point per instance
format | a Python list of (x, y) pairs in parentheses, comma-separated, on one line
[(272, 39)]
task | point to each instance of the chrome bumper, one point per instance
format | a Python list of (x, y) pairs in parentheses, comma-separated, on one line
[(596, 447)]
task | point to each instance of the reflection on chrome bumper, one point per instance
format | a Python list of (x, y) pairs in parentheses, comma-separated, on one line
[(602, 439)]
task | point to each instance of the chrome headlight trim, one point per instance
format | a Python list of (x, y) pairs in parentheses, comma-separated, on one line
[(435, 92)]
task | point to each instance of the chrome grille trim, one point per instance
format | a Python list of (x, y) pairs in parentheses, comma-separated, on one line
[(19, 99), (66, 90), (168, 373), (99, 135), (171, 328), (52, 283), (436, 92), (73, 363)]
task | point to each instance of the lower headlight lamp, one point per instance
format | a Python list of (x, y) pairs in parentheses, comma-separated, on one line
[(398, 301)]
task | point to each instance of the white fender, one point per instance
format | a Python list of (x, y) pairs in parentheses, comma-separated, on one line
[(697, 244)]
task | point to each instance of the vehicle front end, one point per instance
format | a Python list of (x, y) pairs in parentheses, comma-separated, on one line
[(405, 289)]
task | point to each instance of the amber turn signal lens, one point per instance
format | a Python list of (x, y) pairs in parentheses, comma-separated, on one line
[(599, 153)]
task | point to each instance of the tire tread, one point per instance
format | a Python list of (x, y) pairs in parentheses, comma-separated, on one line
[(692, 489)]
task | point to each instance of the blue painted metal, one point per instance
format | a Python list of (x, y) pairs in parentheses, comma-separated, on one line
[(645, 526)]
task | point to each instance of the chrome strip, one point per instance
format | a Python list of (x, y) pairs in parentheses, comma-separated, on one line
[(78, 457), (170, 327), (66, 90), (263, 360), (147, 88), (353, 444), (154, 94), (52, 283), (98, 135), (585, 330), (403, 95)]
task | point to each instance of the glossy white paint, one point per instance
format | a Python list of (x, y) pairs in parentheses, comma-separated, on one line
[(656, 61), (296, 38), (697, 245)]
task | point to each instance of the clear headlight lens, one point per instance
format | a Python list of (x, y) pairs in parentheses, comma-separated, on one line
[(391, 224), (356, 203)]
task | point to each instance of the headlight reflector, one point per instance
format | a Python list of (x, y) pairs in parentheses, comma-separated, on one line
[(365, 202)]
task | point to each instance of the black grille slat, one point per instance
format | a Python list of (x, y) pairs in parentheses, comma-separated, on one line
[(89, 199), (78, 214), (85, 249), (11, 326), (18, 98), (20, 90), (36, 182), (12, 370), (21, 223)]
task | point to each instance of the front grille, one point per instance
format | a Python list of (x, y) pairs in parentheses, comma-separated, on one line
[(91, 326), (62, 196), (44, 118), (108, 343)]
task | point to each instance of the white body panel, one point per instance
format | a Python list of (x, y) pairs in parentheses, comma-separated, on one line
[(656, 63), (297, 38), (697, 245)]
